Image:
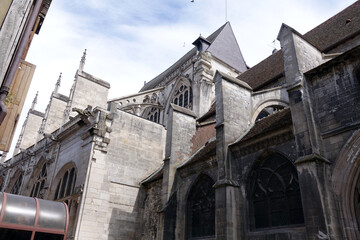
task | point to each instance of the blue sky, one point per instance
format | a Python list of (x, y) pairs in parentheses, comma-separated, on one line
[(129, 42)]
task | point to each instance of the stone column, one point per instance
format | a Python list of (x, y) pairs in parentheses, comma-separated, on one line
[(314, 172), (181, 128), (232, 117)]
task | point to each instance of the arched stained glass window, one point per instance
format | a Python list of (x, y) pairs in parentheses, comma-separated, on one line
[(183, 95), (201, 209), (274, 194), (16, 187), (66, 184), (39, 183)]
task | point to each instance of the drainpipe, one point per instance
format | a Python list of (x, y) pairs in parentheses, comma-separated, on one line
[(4, 90)]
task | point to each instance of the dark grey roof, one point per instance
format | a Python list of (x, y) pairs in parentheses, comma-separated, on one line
[(226, 48), (223, 46), (331, 33)]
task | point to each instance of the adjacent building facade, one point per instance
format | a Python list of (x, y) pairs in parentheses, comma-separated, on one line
[(210, 148), (19, 21)]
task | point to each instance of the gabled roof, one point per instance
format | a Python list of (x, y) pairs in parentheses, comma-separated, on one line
[(223, 46), (326, 36)]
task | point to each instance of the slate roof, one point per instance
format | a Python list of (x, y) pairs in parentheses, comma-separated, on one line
[(208, 114), (206, 151), (223, 46), (267, 125), (342, 26), (326, 36)]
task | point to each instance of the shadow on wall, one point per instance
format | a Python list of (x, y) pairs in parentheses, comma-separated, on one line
[(133, 224)]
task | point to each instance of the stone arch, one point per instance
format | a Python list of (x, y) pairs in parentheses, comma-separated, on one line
[(152, 113), (200, 208), (345, 178), (71, 199), (15, 182), (273, 192), (59, 177), (39, 180), (263, 105)]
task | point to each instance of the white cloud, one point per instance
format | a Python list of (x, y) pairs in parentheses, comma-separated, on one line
[(130, 42)]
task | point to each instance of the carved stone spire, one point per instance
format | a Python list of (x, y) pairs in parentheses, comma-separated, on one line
[(34, 101), (19, 141), (57, 85), (82, 62)]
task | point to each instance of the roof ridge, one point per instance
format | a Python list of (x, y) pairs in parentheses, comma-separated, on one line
[(153, 82)]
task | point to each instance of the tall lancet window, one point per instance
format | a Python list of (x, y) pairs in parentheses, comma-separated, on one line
[(201, 209), (39, 184), (274, 193), (16, 187), (183, 95), (66, 185)]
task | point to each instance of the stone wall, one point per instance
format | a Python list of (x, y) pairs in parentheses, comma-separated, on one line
[(55, 112), (336, 98), (149, 220), (89, 90), (128, 148)]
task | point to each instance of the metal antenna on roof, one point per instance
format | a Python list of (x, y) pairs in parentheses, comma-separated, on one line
[(225, 10)]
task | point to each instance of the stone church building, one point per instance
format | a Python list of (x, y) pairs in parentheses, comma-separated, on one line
[(210, 148)]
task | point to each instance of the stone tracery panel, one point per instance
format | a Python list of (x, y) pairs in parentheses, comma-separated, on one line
[(39, 185), (16, 187), (183, 95), (274, 194), (201, 209)]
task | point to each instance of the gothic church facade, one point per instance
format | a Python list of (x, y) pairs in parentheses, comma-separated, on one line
[(210, 148)]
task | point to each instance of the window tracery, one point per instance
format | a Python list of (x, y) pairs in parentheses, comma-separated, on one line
[(16, 187), (153, 114), (66, 184), (39, 184), (183, 96), (201, 209), (275, 198)]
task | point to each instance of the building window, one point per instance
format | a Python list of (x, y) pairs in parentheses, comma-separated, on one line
[(274, 194), (201, 209), (153, 114), (16, 187), (66, 184), (268, 111), (183, 96), (39, 184)]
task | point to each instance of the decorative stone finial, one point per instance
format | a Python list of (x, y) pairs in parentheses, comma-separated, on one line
[(57, 85), (82, 61), (34, 101)]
